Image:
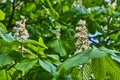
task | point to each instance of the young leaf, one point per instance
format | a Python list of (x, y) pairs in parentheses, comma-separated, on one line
[(41, 42), (2, 15), (4, 60), (48, 66), (33, 42), (27, 64), (3, 27), (41, 52), (31, 53)]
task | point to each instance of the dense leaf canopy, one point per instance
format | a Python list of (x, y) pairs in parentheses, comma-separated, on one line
[(59, 39)]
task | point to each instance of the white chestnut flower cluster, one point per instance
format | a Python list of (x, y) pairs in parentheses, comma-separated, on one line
[(20, 32), (82, 38)]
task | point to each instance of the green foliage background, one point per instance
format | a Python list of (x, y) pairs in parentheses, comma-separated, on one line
[(46, 57)]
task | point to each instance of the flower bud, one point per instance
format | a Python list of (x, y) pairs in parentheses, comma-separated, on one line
[(22, 17)]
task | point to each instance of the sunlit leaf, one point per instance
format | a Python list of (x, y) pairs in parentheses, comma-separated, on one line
[(4, 75), (2, 15), (3, 26), (113, 68), (99, 68), (41, 42)]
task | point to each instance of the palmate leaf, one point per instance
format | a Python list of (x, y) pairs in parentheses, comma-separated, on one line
[(34, 50), (113, 68), (76, 60), (101, 52), (84, 56), (99, 68)]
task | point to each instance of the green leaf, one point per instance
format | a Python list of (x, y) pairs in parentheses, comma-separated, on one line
[(32, 47), (4, 75), (31, 53), (2, 15), (3, 27), (108, 51), (6, 37), (48, 66), (14, 73), (25, 65), (56, 57), (65, 8), (96, 53), (85, 71), (99, 68), (113, 68), (16, 55), (41, 52), (78, 10), (76, 60), (30, 7), (87, 3), (56, 44), (41, 42), (33, 42), (94, 26), (37, 1), (52, 9), (5, 60)]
